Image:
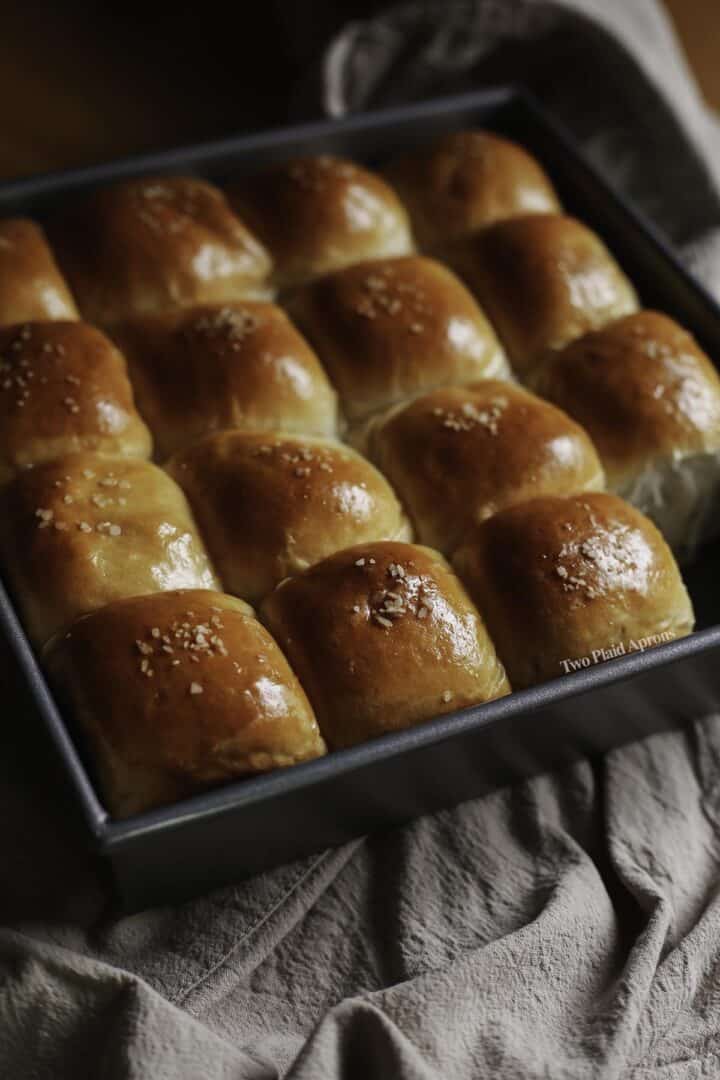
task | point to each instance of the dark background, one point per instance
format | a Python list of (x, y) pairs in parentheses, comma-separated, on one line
[(81, 83)]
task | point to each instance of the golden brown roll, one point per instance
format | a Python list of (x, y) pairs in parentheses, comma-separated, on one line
[(460, 454), (64, 388), (178, 692), (543, 280), (271, 505), (390, 329), (155, 244), (466, 180), (383, 636), (318, 214), (81, 531), (31, 285), (238, 365), (650, 399), (565, 583)]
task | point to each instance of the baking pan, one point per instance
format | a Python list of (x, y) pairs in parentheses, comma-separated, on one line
[(206, 841)]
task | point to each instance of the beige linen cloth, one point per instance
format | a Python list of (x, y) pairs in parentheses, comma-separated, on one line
[(566, 928)]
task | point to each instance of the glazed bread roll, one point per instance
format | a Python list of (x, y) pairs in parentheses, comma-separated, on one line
[(317, 214), (178, 692), (64, 388), (238, 365), (272, 505), (31, 285), (84, 530), (543, 279), (383, 636), (650, 399), (390, 329), (460, 454), (564, 583), (154, 244), (466, 180)]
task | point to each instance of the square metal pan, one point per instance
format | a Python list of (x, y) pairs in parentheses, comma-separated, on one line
[(236, 830)]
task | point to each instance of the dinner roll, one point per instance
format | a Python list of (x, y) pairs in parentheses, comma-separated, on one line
[(235, 365), (318, 214), (155, 244), (650, 399), (465, 180), (64, 388), (178, 692), (31, 285), (564, 583), (462, 453), (272, 505), (543, 279), (383, 636), (390, 329), (81, 531)]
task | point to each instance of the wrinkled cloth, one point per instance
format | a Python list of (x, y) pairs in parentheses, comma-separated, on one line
[(568, 927)]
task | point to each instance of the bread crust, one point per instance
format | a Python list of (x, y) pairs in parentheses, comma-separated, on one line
[(390, 329), (467, 180), (85, 530), (155, 244), (383, 636), (458, 455), (64, 388), (240, 364), (31, 285), (270, 505), (563, 581), (317, 214), (176, 693), (544, 280)]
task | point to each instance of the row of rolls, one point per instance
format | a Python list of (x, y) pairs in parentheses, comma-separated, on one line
[(418, 420)]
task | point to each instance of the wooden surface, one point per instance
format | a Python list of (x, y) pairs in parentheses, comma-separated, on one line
[(81, 82), (698, 26)]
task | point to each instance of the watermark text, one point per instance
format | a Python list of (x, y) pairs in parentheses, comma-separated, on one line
[(622, 648)]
